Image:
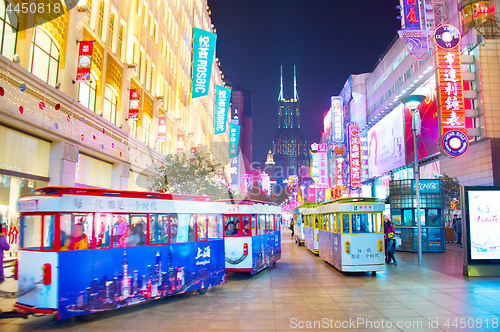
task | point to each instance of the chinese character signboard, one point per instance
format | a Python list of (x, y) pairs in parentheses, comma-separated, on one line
[(162, 129), (222, 98), (323, 166), (354, 155), (234, 139), (84, 61), (234, 172), (411, 14), (134, 103), (337, 112), (453, 138), (203, 54), (339, 167)]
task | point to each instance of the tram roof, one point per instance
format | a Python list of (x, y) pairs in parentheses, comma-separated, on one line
[(60, 191), (245, 201), (346, 203)]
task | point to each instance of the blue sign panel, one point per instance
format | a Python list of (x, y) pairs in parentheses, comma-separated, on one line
[(234, 139), (427, 186), (222, 98), (411, 12), (203, 55)]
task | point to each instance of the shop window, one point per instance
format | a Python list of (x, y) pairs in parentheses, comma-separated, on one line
[(476, 14), (110, 106), (87, 92), (44, 56), (8, 31), (32, 232), (201, 222), (146, 129), (102, 226), (158, 228), (76, 231), (215, 226)]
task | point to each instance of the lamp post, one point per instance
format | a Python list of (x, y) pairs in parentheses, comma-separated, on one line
[(302, 187), (412, 102)]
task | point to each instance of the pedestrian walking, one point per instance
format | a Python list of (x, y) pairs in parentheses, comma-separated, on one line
[(391, 250), (454, 224), (4, 246), (458, 229), (389, 231)]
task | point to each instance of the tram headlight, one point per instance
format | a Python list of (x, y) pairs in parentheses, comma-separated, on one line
[(380, 245), (347, 247)]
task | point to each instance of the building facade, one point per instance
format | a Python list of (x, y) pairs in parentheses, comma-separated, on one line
[(54, 131)]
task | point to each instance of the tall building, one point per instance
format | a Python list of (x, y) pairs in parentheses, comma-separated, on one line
[(54, 131), (289, 140)]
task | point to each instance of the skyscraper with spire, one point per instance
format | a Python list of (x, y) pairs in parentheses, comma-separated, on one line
[(289, 144)]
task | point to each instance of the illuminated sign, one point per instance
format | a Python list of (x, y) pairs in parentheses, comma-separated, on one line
[(222, 98), (410, 14), (234, 171), (265, 183), (84, 61), (322, 166), (354, 155), (453, 138), (134, 103), (162, 129), (327, 121), (337, 112), (234, 139), (203, 54)]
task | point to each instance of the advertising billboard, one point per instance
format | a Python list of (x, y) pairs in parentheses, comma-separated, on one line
[(222, 99), (337, 116), (84, 61), (484, 224), (427, 126), (386, 149), (203, 55), (354, 155)]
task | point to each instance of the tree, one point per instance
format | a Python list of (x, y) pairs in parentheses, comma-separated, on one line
[(451, 191), (197, 175)]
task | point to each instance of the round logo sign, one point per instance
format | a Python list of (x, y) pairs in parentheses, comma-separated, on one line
[(455, 143), (447, 36)]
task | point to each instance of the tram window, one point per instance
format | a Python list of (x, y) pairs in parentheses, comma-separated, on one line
[(120, 230), (76, 231), (379, 222), (137, 230), (270, 222), (254, 224), (201, 222), (158, 228), (262, 224), (345, 223), (214, 226), (231, 227), (32, 232), (333, 221), (192, 229), (337, 217), (48, 232), (363, 223), (316, 221), (102, 230), (325, 221), (245, 223)]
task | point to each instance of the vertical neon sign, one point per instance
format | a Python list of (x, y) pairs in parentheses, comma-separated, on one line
[(453, 139), (337, 114), (354, 155)]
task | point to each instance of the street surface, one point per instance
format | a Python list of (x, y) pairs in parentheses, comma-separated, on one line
[(304, 291)]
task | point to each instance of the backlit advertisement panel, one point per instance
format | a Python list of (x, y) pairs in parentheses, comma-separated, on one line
[(484, 223), (427, 124), (337, 113), (386, 149)]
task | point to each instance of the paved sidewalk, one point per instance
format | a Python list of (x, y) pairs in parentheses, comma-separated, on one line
[(302, 289)]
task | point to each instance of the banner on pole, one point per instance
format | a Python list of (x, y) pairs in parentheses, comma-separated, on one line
[(234, 139), (134, 102), (84, 61), (203, 55), (222, 99)]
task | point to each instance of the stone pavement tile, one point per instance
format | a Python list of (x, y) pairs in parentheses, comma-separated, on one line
[(256, 325), (377, 298), (328, 314), (419, 304), (140, 324), (428, 312), (446, 303), (349, 299), (290, 306), (318, 299), (322, 306), (467, 310), (289, 314), (389, 305), (492, 309), (356, 306), (227, 300), (258, 300), (223, 325), (257, 307), (285, 300), (398, 313), (179, 325), (216, 316), (367, 313), (225, 308), (182, 315), (246, 315)]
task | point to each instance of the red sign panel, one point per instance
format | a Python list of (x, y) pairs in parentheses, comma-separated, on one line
[(162, 129), (453, 140), (84, 61), (354, 155), (134, 102)]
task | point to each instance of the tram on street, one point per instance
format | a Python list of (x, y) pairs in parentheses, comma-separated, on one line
[(252, 235), (104, 249), (351, 234), (298, 226), (311, 228)]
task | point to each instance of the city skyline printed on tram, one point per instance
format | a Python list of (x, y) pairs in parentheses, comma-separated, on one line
[(136, 274)]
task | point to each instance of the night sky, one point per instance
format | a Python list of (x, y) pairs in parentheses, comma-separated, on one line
[(327, 40)]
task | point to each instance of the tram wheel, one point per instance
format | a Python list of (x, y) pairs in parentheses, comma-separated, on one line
[(202, 291), (90, 317)]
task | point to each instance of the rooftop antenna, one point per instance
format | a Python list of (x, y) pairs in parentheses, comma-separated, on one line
[(295, 94), (281, 90)]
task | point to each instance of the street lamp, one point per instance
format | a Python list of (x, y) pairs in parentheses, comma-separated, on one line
[(412, 102), (302, 187)]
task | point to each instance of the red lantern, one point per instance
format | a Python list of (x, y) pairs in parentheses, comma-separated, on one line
[(113, 145), (93, 136), (41, 105), (58, 106), (103, 131), (2, 91), (82, 137), (21, 110), (68, 118)]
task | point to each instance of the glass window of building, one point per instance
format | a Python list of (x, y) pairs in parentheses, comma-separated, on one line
[(120, 41), (476, 13), (87, 92), (132, 128), (100, 30), (111, 30), (8, 31), (147, 72), (145, 15), (146, 129), (155, 36), (110, 104), (44, 56)]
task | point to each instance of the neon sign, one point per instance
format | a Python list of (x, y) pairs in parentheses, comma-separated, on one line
[(354, 155), (453, 137), (411, 14), (337, 114)]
